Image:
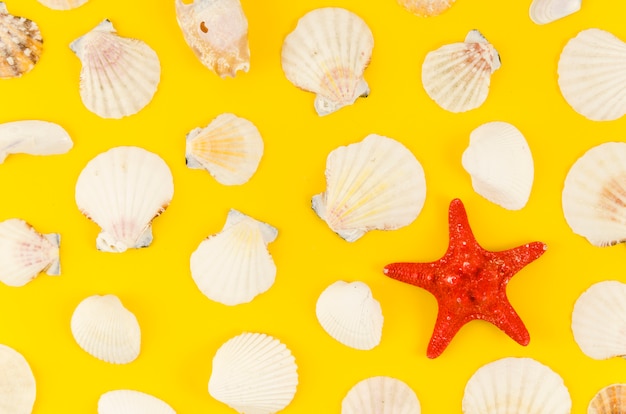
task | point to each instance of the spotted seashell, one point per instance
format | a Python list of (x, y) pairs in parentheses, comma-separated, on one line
[(21, 44)]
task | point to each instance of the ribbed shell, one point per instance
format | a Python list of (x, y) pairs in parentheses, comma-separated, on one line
[(426, 8), (609, 400), (547, 11), (62, 4), (33, 137), (327, 54), (17, 383), (380, 395), (132, 402), (21, 44)]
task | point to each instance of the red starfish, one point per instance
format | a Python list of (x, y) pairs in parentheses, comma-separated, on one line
[(469, 282)]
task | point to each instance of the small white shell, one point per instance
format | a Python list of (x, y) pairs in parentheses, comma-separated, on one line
[(105, 329), (17, 383), (327, 54), (123, 190), (254, 373), (609, 400), (24, 253), (547, 11), (21, 44), (500, 163), (229, 148), (62, 4), (374, 184), (132, 402), (514, 386), (119, 75), (33, 137), (234, 266), (381, 395), (426, 8), (349, 313), (457, 76)]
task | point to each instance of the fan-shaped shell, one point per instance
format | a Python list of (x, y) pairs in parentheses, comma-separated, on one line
[(123, 190), (17, 383), (349, 313), (24, 253), (229, 148), (132, 402), (374, 184), (119, 75), (457, 76), (234, 266), (426, 8), (594, 195), (381, 395), (547, 11), (327, 54), (33, 137), (105, 329), (515, 386), (609, 400), (217, 32), (591, 72), (21, 44), (62, 4), (254, 373), (500, 163)]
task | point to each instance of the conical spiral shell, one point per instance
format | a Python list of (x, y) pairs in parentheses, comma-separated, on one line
[(17, 383), (547, 11), (426, 8), (33, 137), (62, 4), (381, 395), (609, 400), (132, 402), (21, 44)]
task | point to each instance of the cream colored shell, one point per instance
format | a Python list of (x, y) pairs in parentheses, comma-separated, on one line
[(33, 137), (62, 4), (609, 400), (17, 383), (547, 11), (381, 395), (21, 44), (426, 8), (132, 402)]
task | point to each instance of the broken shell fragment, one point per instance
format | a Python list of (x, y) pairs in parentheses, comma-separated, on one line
[(62, 4), (132, 402), (17, 383), (426, 8), (326, 54), (33, 137), (609, 400), (21, 44), (381, 394), (547, 11)]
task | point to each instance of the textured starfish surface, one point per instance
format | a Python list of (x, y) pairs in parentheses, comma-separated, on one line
[(469, 282)]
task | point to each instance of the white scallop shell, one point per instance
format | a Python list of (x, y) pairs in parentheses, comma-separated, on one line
[(609, 400), (105, 329), (234, 266), (327, 54), (591, 75), (500, 163), (514, 386), (132, 402), (17, 383), (547, 11), (426, 8), (381, 395), (254, 373), (24, 253), (123, 190), (229, 148), (217, 32), (374, 184), (21, 44), (349, 313), (457, 76), (33, 137), (594, 195), (119, 75), (62, 4)]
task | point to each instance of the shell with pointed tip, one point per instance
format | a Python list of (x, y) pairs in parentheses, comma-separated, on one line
[(513, 386), (378, 395), (217, 32), (33, 137), (254, 373), (426, 8), (105, 329), (547, 11), (132, 402), (609, 400), (373, 184), (594, 195), (119, 75), (24, 253), (229, 148), (62, 4), (327, 54), (17, 383), (123, 190), (591, 74), (234, 266), (500, 163), (21, 44), (457, 76), (349, 313)]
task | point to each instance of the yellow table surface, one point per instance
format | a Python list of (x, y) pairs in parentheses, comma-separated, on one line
[(181, 328)]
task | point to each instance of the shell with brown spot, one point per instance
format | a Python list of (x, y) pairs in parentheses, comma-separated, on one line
[(21, 44), (426, 8), (609, 400)]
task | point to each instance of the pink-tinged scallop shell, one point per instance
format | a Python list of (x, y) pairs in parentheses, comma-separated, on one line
[(381, 395), (21, 44), (426, 8), (609, 400), (18, 389), (547, 11), (62, 4)]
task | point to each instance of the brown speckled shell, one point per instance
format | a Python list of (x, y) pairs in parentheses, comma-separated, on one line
[(21, 44), (609, 400), (426, 8)]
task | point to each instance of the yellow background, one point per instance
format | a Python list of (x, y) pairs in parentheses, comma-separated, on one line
[(181, 328)]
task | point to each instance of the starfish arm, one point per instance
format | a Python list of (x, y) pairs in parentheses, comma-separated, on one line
[(513, 260), (460, 232), (505, 318), (418, 274), (447, 325)]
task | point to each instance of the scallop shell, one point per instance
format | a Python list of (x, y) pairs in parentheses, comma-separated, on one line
[(123, 190), (599, 320), (119, 75), (349, 313), (62, 4), (381, 395), (374, 184), (105, 329), (500, 163), (514, 386), (24, 253), (132, 402), (457, 76), (609, 400), (21, 44), (17, 383), (234, 266), (33, 137), (327, 54), (229, 148), (217, 32), (254, 373), (591, 70), (594, 195), (426, 8), (547, 11)]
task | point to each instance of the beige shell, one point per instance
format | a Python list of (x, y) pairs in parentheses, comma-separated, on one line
[(62, 4), (21, 44), (381, 395), (426, 8), (547, 11), (609, 400), (132, 402), (217, 32), (326, 54), (457, 76), (33, 137), (17, 383)]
